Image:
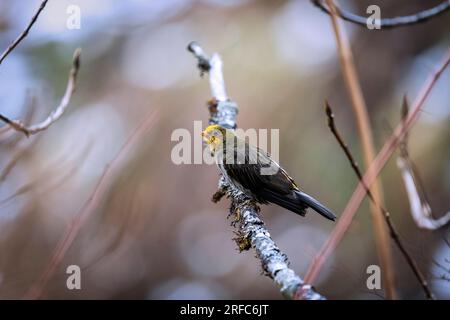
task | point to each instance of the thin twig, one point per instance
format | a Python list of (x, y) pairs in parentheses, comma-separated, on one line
[(88, 208), (374, 170), (388, 23), (24, 33), (59, 111), (418, 201), (394, 233), (30, 107), (420, 209), (365, 133), (251, 229)]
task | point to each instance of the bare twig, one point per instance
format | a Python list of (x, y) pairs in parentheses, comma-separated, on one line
[(59, 111), (387, 216), (251, 231), (88, 208), (387, 23), (365, 132), (420, 209), (30, 107), (374, 170), (24, 33), (420, 206)]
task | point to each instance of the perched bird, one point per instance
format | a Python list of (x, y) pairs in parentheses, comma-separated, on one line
[(252, 171)]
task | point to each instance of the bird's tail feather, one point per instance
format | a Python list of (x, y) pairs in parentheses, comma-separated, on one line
[(316, 205), (297, 202), (289, 202)]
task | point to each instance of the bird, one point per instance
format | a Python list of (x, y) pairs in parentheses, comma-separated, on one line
[(243, 165)]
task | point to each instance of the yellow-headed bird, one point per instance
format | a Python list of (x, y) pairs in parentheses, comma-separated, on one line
[(252, 171)]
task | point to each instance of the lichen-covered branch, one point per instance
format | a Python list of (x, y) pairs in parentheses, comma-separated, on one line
[(251, 229)]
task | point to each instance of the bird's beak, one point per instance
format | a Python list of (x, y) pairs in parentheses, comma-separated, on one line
[(204, 137)]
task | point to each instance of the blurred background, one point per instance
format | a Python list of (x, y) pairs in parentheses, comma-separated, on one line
[(156, 234)]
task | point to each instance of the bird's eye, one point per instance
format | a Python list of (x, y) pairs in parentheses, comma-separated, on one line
[(212, 139)]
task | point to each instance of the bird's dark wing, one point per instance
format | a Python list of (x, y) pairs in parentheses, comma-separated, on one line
[(278, 188), (250, 177), (250, 172)]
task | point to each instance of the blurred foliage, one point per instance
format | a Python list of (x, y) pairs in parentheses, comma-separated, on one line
[(157, 234)]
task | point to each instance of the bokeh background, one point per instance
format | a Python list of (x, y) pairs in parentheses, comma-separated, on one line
[(156, 234)]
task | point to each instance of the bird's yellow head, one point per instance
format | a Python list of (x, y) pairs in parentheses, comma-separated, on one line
[(214, 135)]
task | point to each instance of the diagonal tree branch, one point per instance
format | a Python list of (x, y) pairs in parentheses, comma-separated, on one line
[(359, 107), (374, 170), (89, 207), (24, 33), (251, 229), (387, 23), (387, 216)]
